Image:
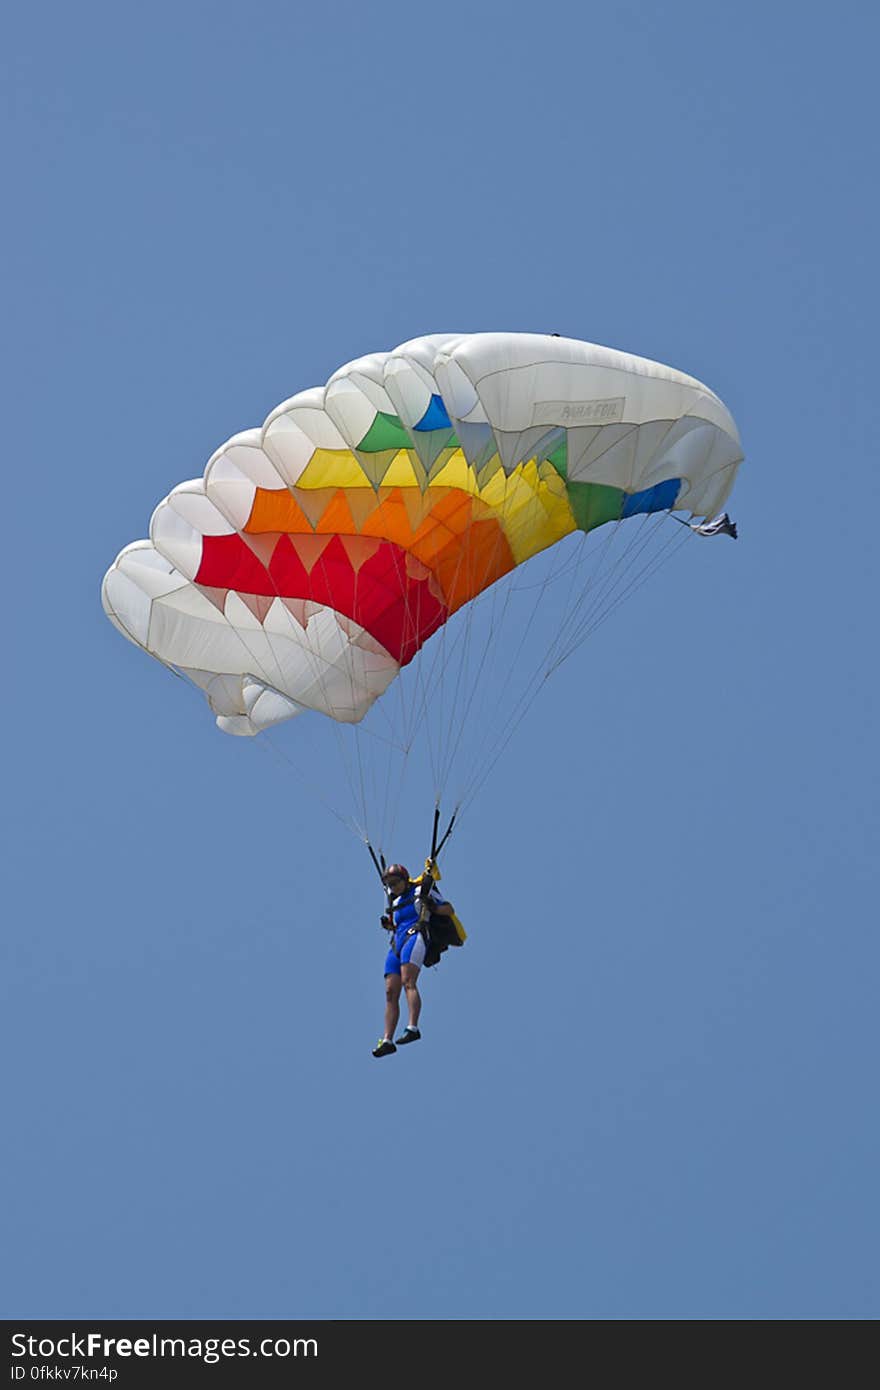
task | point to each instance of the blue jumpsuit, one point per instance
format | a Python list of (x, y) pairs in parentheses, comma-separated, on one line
[(406, 949)]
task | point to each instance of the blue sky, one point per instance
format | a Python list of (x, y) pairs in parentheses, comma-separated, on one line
[(647, 1086)]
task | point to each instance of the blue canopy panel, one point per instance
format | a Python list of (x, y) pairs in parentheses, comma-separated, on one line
[(659, 498)]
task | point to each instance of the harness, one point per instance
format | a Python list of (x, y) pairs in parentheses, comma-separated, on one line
[(439, 930), (415, 888)]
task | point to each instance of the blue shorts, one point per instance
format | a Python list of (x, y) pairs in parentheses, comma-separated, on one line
[(412, 953)]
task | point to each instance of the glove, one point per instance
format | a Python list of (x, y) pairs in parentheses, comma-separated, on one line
[(386, 921)]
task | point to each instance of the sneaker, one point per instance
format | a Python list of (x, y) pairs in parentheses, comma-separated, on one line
[(408, 1035), (384, 1048)]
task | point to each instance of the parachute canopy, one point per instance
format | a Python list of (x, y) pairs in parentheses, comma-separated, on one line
[(318, 554)]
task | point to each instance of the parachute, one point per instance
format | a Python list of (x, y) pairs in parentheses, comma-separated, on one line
[(322, 555)]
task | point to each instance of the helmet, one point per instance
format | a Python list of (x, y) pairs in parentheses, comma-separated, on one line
[(395, 871)]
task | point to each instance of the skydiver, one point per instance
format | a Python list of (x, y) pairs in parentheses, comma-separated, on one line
[(406, 953)]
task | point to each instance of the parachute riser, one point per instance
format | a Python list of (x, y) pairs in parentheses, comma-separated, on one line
[(432, 870), (379, 861)]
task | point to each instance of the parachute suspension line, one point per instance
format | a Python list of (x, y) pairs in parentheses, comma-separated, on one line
[(353, 767), (408, 705), (338, 735), (444, 722), (556, 563), (455, 650), (544, 666), (432, 680), (441, 664), (526, 704), (387, 797), (564, 566), (437, 706), (458, 659), (488, 604), (592, 567), (438, 678), (486, 765), (671, 546), (316, 666), (376, 792), (381, 792), (278, 605), (469, 688), (269, 747), (481, 766), (357, 769), (540, 673), (368, 793), (632, 583), (356, 740), (475, 642), (397, 777), (595, 574), (602, 580), (270, 680), (456, 727), (419, 697), (395, 773), (454, 659), (413, 696), (487, 616), (408, 702), (260, 672), (496, 606)]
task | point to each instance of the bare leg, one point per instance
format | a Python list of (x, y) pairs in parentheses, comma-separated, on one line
[(410, 974), (392, 1003)]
